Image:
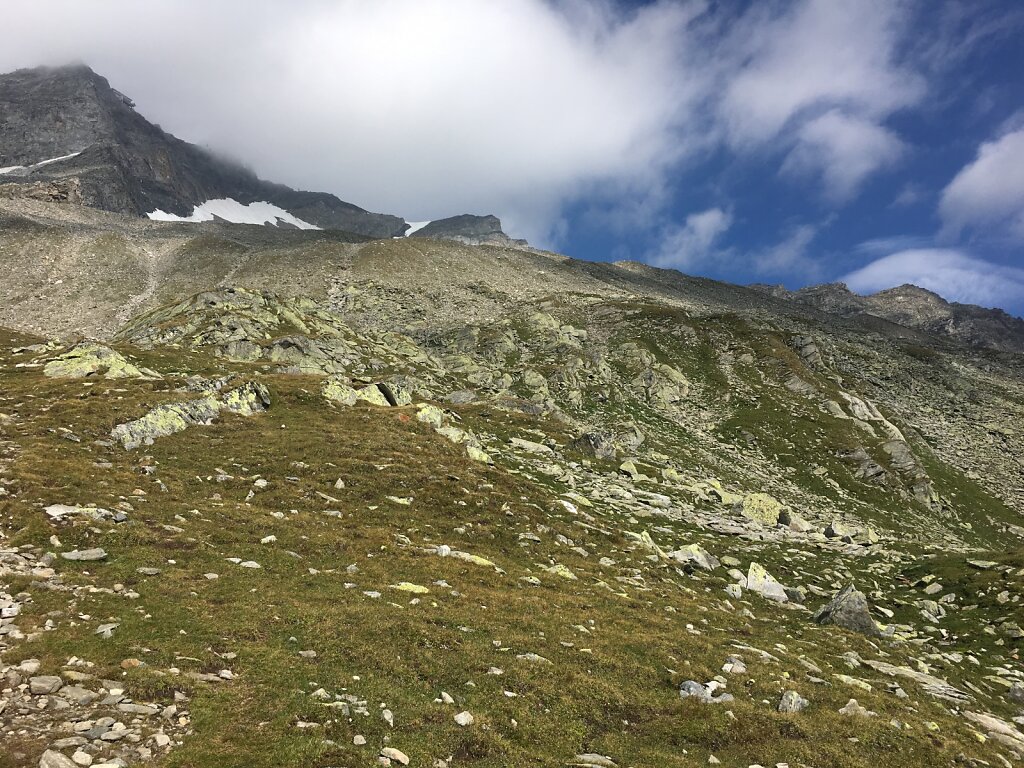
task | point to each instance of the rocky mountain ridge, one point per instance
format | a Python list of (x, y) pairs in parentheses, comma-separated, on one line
[(917, 308)]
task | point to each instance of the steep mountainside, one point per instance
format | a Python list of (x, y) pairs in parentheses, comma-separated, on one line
[(917, 308), (68, 122), (313, 499)]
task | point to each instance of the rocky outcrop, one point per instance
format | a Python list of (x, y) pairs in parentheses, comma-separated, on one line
[(88, 360), (470, 229), (168, 419), (58, 191)]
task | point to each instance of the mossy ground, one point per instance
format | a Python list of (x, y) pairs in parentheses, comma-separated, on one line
[(616, 660)]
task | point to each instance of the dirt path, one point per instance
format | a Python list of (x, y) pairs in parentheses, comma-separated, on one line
[(130, 307)]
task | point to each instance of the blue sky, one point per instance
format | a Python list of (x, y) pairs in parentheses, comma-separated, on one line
[(917, 206), (800, 141)]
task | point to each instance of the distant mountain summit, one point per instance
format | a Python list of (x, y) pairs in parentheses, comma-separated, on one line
[(65, 133), (467, 228), (917, 308)]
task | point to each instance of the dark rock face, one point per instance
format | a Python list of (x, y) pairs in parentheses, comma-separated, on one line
[(469, 229), (128, 165), (68, 191), (849, 609), (599, 445), (916, 308)]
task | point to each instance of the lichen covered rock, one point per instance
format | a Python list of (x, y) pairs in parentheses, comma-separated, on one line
[(761, 508), (171, 418), (88, 359)]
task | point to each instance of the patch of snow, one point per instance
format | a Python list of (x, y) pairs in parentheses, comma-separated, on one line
[(56, 159), (236, 213), (40, 164), (415, 226)]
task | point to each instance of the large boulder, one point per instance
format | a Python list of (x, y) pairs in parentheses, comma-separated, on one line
[(338, 389), (599, 445), (89, 360), (762, 582), (761, 508), (849, 609), (697, 555)]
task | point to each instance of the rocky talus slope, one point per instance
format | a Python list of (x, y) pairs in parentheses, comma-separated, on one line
[(319, 500)]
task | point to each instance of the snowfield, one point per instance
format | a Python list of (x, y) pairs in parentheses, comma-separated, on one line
[(40, 164), (415, 226), (235, 212)]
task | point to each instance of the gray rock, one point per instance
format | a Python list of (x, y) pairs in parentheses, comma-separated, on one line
[(85, 555), (78, 695), (849, 609), (792, 701), (598, 445), (1016, 693), (853, 709), (45, 684), (171, 418), (139, 709), (53, 759), (70, 741), (467, 228), (702, 693), (696, 554), (592, 760), (762, 582)]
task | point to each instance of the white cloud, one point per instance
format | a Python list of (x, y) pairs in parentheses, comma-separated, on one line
[(523, 108), (911, 194), (693, 243), (821, 80), (949, 273), (821, 54), (790, 254), (424, 109), (990, 190), (844, 150)]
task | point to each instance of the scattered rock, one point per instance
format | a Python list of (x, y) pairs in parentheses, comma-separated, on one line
[(89, 359), (792, 701), (849, 609), (854, 709), (171, 418), (393, 754), (85, 555), (762, 582)]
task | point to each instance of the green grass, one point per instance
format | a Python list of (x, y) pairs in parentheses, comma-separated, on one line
[(612, 689)]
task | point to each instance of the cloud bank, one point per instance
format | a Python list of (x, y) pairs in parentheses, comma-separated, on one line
[(518, 107), (424, 109), (559, 113)]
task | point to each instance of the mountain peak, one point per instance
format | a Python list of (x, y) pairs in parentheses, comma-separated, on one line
[(918, 308), (467, 228), (67, 125), (909, 292), (68, 122)]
